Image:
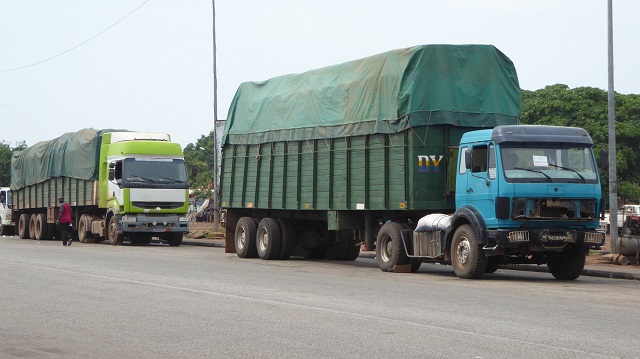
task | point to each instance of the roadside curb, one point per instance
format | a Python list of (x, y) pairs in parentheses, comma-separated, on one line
[(590, 272)]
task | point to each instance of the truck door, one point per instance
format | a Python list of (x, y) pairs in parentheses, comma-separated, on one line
[(482, 186)]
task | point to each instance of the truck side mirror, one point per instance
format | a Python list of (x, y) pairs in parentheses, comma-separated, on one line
[(112, 171), (604, 159), (468, 159), (194, 171)]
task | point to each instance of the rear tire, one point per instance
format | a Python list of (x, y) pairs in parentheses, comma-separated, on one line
[(32, 226), (390, 247), (287, 237), (41, 227), (245, 238), (336, 251), (268, 240), (353, 250), (23, 226)]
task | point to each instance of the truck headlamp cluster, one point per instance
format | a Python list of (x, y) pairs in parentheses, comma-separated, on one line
[(594, 237), (183, 219), (518, 236), (129, 219)]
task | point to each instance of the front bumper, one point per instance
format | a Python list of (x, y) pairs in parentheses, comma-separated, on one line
[(145, 223), (543, 239)]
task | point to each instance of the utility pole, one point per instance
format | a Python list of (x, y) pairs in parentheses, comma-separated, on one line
[(613, 181), (216, 202)]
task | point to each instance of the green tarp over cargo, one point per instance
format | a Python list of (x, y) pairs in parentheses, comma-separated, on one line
[(463, 85), (74, 154)]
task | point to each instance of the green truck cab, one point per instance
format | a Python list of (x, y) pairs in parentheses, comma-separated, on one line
[(321, 163)]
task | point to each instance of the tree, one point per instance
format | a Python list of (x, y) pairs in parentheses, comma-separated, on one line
[(199, 160), (6, 152), (587, 107)]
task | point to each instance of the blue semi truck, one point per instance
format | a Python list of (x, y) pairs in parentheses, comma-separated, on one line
[(361, 153)]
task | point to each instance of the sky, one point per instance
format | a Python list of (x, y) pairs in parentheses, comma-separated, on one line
[(147, 65)]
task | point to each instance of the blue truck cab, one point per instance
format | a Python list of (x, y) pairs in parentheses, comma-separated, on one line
[(525, 194)]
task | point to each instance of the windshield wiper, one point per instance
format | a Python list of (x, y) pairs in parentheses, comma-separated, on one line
[(142, 178), (173, 180), (584, 180), (536, 171)]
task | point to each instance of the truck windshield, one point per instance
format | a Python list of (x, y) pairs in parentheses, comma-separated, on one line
[(154, 171), (569, 164)]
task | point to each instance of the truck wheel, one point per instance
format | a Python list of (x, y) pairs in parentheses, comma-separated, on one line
[(146, 238), (493, 263), (174, 239), (567, 265), (390, 247), (112, 233), (353, 250), (287, 238), (246, 238), (415, 262), (467, 256), (336, 251), (32, 226), (83, 230), (268, 240), (23, 226), (41, 229)]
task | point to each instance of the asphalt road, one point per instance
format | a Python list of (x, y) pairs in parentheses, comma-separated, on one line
[(102, 301)]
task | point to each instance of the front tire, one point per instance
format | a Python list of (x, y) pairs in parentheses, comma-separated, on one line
[(467, 257), (174, 239), (390, 247), (567, 265), (112, 232)]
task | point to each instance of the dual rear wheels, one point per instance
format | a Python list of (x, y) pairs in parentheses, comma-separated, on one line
[(271, 239)]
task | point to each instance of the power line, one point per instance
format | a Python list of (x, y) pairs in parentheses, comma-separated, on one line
[(80, 44)]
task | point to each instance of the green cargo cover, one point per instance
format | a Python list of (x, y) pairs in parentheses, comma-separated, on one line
[(74, 154), (462, 85)]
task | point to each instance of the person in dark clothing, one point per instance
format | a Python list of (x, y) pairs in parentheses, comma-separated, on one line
[(64, 221)]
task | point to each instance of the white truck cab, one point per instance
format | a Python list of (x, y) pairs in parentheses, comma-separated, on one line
[(6, 224)]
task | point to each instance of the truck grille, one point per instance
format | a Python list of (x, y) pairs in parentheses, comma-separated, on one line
[(154, 205)]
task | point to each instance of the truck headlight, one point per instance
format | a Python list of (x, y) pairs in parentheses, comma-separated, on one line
[(129, 219), (183, 219)]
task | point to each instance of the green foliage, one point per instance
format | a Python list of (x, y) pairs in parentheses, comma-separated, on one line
[(587, 107), (5, 161), (199, 160)]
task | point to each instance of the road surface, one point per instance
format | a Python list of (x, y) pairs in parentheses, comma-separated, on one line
[(102, 301)]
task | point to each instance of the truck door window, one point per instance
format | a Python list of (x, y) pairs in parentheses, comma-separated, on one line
[(463, 168), (479, 159), (492, 162)]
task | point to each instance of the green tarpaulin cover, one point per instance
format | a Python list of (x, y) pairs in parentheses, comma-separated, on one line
[(74, 154), (464, 85)]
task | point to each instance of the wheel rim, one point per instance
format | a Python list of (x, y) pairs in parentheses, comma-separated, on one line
[(387, 249), (263, 241), (463, 249), (112, 230), (241, 238), (81, 232)]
